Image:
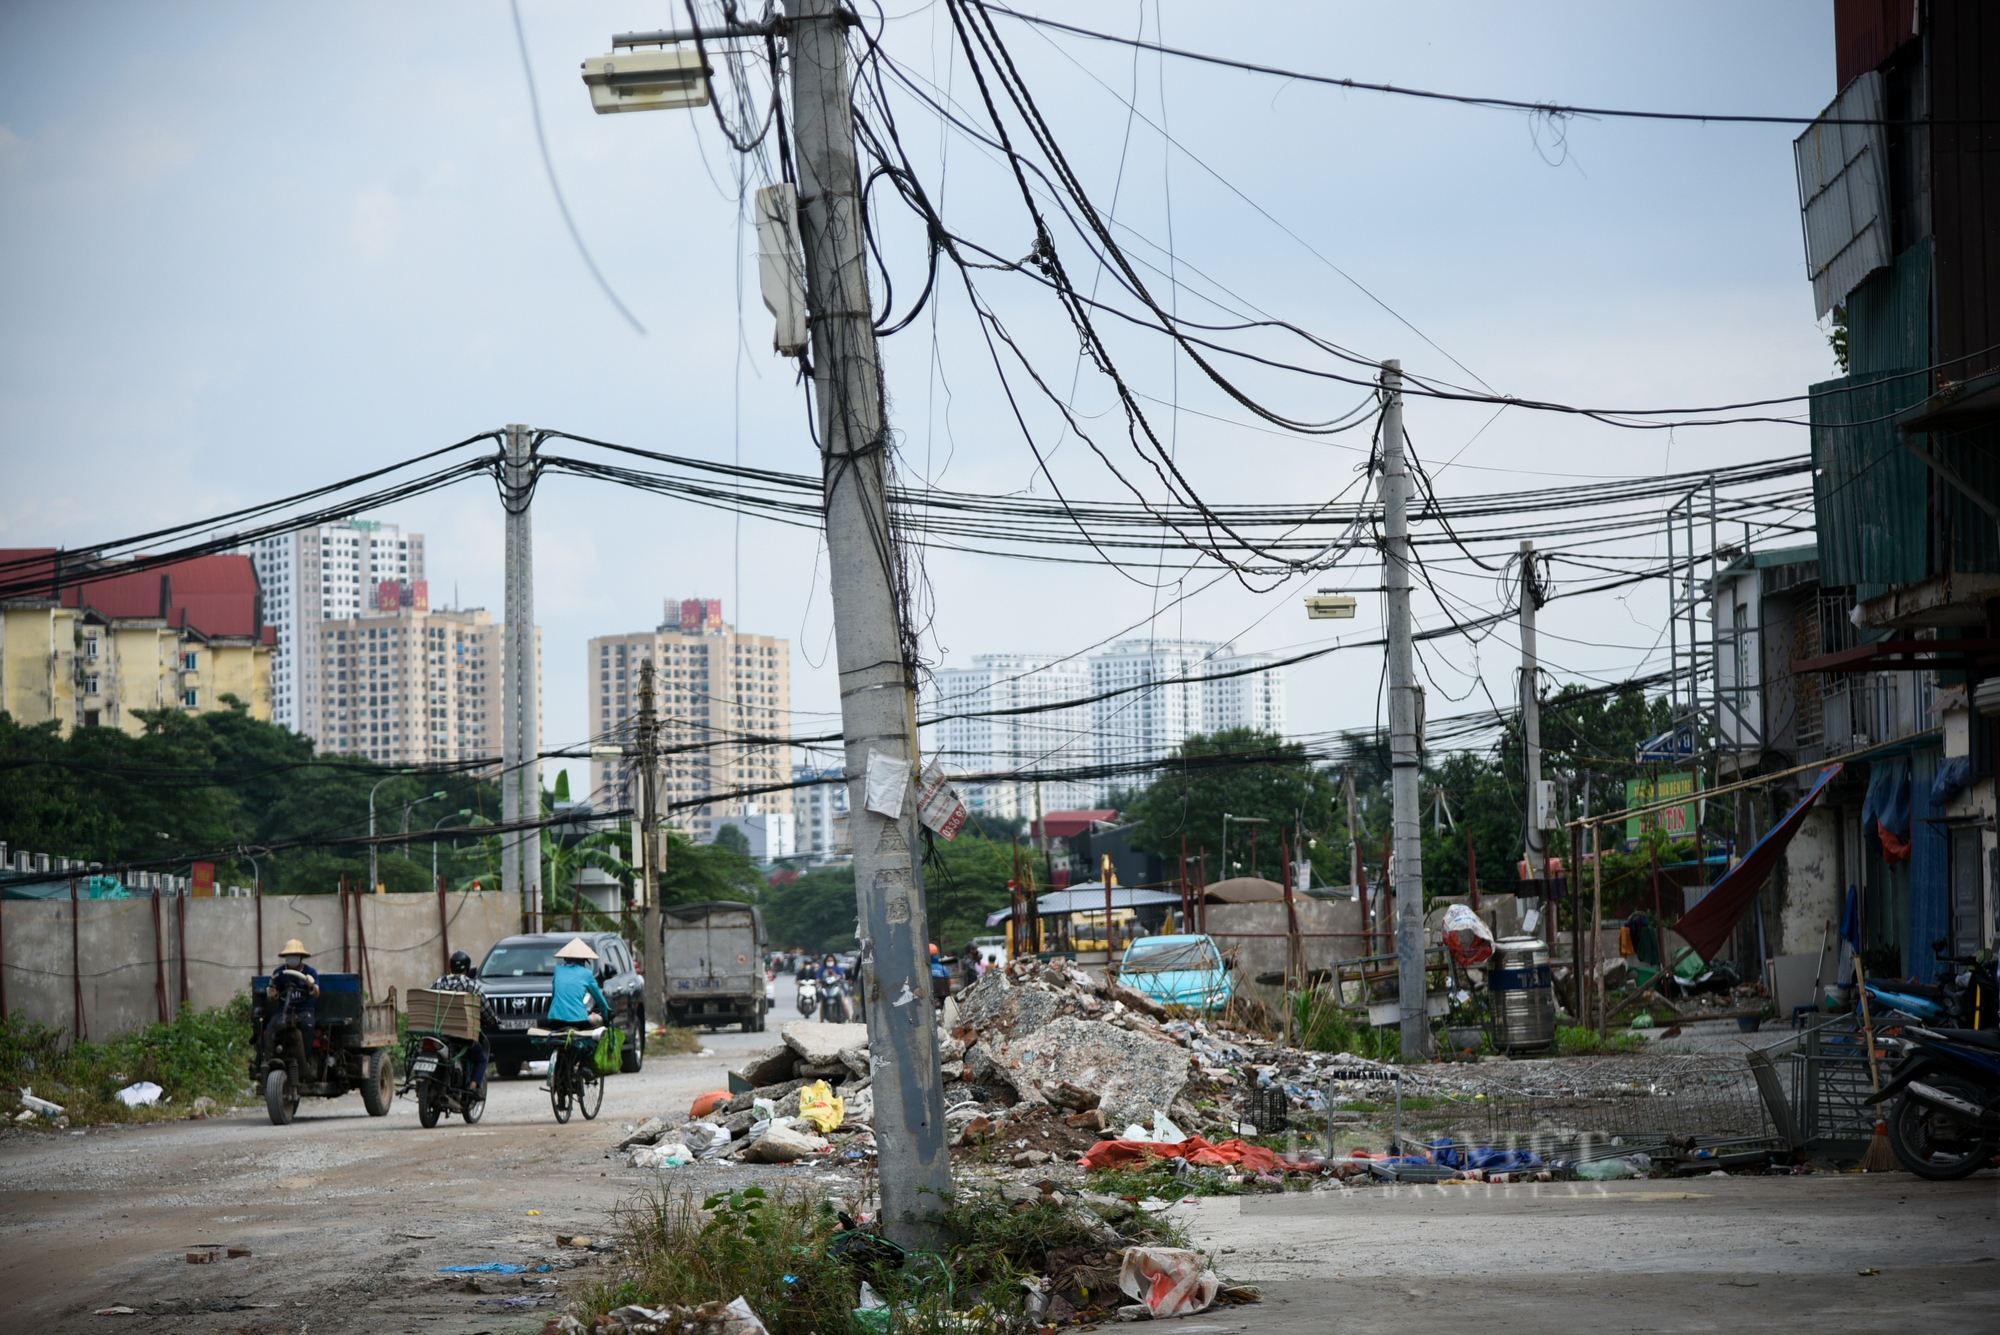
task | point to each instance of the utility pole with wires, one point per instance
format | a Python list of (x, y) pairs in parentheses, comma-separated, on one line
[(1531, 718), (520, 690), (1406, 814), (877, 683), (652, 851)]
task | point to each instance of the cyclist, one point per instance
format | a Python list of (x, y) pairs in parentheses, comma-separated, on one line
[(575, 987), (462, 979)]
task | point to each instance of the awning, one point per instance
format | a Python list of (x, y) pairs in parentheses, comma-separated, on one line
[(1906, 656), (1708, 924), (1088, 899)]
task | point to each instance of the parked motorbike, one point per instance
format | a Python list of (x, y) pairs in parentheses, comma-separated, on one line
[(1946, 1120), (833, 1007), (1963, 998), (440, 1074), (808, 996)]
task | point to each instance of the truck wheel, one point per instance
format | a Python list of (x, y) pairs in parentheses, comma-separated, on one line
[(509, 1068), (278, 1100), (635, 1049), (378, 1083)]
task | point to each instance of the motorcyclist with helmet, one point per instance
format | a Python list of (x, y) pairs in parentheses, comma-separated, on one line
[(463, 979)]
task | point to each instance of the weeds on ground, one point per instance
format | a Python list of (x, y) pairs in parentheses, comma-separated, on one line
[(1581, 1041), (1161, 1181), (1320, 1024), (672, 1041), (198, 1053)]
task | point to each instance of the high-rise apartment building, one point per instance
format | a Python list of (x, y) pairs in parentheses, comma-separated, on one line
[(822, 811), (327, 573), (408, 686), (996, 742), (725, 705), (1180, 691)]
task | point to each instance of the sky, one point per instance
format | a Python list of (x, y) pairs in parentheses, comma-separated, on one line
[(247, 248)]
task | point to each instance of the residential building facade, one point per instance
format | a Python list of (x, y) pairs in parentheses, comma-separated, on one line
[(822, 813), (974, 735), (330, 572), (103, 643), (1169, 690), (409, 687), (724, 699)]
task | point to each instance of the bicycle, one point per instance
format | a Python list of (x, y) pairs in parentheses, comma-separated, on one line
[(573, 1078)]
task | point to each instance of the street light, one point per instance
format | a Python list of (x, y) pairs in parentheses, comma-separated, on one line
[(408, 807), (465, 812), (374, 865), (1240, 820)]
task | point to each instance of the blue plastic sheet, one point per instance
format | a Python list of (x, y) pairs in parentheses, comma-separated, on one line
[(1483, 1157), (490, 1268)]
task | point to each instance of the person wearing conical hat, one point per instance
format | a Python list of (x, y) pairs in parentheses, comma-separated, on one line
[(575, 987), (296, 979)]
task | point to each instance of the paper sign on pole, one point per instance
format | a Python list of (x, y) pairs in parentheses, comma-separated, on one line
[(938, 803), (888, 784)]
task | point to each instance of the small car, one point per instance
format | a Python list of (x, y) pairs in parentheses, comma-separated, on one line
[(519, 974), (1177, 971)]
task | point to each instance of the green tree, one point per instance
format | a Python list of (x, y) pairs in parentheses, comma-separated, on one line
[(814, 912), (733, 839)]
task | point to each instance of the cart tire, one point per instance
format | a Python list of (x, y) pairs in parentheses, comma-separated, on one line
[(378, 1083), (430, 1100), (634, 1058), (509, 1068), (590, 1092), (276, 1100)]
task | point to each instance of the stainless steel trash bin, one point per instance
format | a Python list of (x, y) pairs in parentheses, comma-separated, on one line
[(1521, 995)]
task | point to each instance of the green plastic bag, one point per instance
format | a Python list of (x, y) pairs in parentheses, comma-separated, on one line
[(610, 1051)]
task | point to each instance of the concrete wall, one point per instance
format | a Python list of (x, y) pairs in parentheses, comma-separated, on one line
[(1807, 885), (123, 958), (1257, 954)]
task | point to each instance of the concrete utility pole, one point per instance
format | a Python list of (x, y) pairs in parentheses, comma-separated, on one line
[(877, 685), (1406, 815), (1531, 712), (650, 845), (520, 735)]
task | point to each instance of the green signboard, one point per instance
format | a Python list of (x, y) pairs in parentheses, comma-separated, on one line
[(1678, 822)]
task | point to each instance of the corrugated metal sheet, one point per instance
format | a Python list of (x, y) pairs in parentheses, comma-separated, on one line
[(1869, 494), (1844, 193), (1889, 317), (1867, 32), (1975, 457), (1965, 182)]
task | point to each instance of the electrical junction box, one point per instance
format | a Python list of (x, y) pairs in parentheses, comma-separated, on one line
[(1545, 804), (646, 80), (1329, 606)]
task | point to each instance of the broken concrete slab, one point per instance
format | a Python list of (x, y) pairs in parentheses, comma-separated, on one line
[(1132, 1074), (821, 1044), (768, 1066), (782, 1145)]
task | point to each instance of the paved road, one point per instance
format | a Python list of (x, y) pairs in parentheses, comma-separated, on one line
[(347, 1216)]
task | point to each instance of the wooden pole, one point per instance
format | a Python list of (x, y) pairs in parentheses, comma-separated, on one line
[(1471, 870), (257, 892), (444, 928), (346, 955), (1659, 918), (1597, 925), (160, 958), (181, 931), (3, 961), (361, 937), (76, 959), (1105, 874), (1187, 903)]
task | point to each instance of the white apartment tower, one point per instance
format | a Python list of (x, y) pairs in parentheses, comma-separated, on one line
[(327, 573), (995, 742), (1182, 690), (724, 700)]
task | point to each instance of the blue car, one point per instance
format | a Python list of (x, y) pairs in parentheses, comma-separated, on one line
[(1177, 971)]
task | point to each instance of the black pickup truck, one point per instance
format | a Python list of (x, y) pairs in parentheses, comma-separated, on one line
[(518, 974)]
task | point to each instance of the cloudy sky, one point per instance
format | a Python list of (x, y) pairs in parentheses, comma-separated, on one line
[(246, 248)]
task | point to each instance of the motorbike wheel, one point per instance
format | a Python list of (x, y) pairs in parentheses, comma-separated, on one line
[(559, 1082), (635, 1049), (589, 1091), (378, 1084), (1934, 1142), (279, 1101), (430, 1103), (475, 1107)]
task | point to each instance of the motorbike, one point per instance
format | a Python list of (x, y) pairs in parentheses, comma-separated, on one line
[(1946, 1120), (1963, 998), (833, 1007), (440, 1074), (808, 996)]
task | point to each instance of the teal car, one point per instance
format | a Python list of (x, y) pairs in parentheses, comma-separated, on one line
[(1177, 971)]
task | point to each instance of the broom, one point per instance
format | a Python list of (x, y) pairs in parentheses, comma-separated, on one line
[(1879, 1158)]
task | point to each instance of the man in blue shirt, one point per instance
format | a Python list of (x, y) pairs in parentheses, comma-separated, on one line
[(296, 979), (575, 987)]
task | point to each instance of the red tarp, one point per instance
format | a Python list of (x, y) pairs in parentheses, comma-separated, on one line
[(1708, 924), (1196, 1150)]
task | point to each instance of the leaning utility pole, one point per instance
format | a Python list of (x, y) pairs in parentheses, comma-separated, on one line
[(877, 686), (520, 733), (651, 853), (1405, 815), (1531, 715)]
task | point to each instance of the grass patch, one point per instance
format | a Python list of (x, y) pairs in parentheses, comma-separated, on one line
[(780, 1250), (1579, 1041), (1320, 1024), (672, 1041), (198, 1053)]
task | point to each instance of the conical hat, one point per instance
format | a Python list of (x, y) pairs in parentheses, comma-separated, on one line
[(295, 947), (577, 949)]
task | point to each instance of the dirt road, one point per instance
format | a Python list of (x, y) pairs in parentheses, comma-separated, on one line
[(347, 1217)]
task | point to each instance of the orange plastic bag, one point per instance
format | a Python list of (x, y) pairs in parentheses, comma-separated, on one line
[(1169, 1280), (709, 1102)]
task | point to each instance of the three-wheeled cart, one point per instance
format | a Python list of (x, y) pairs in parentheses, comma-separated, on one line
[(353, 1048)]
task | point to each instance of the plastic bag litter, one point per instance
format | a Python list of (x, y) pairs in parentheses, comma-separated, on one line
[(705, 1139), (42, 1106), (766, 1111), (1469, 939), (1610, 1170), (822, 1107), (1171, 1281), (140, 1095), (1164, 1130), (671, 1155)]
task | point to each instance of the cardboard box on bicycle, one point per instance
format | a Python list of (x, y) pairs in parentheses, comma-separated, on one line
[(454, 1014)]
